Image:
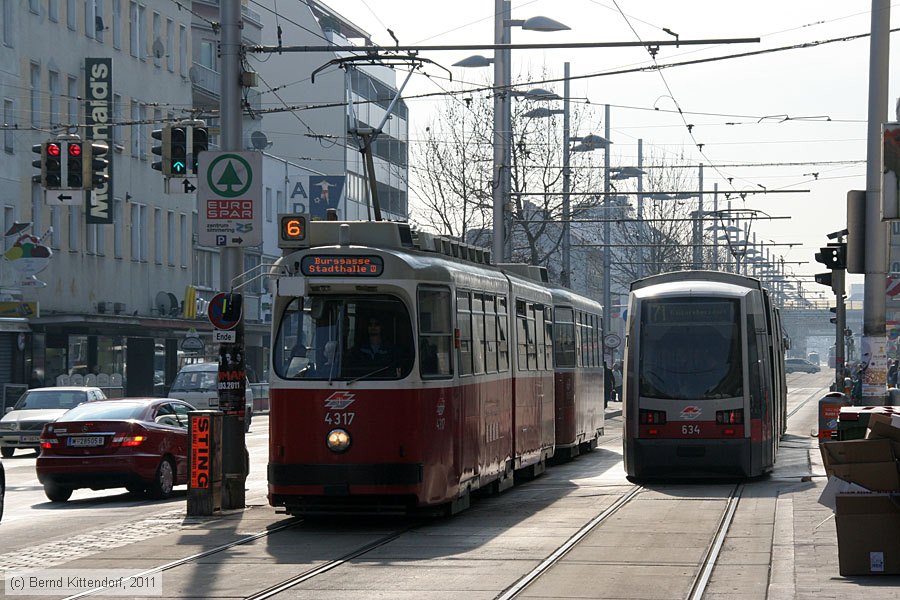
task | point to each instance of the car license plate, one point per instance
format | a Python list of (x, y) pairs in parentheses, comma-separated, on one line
[(29, 439), (86, 441)]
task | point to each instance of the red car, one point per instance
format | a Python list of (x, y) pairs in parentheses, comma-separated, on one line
[(140, 444)]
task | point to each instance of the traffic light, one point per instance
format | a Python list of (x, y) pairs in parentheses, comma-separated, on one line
[(52, 170), (200, 143), (834, 318), (163, 150), (40, 164), (74, 165), (177, 151), (833, 255), (824, 279), (95, 166)]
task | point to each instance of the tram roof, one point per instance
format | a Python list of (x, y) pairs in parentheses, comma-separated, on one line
[(697, 277)]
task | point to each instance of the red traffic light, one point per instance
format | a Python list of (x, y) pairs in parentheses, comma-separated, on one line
[(53, 149), (74, 149)]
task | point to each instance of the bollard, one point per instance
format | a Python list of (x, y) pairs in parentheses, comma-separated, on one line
[(829, 413), (205, 463)]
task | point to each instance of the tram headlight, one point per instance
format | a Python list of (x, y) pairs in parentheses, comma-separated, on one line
[(338, 440)]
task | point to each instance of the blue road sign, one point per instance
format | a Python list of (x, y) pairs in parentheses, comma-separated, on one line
[(216, 312)]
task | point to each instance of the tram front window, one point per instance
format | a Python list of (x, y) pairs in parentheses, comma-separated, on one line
[(690, 349), (338, 338)]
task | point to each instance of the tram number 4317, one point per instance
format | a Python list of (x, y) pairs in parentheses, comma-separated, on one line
[(339, 418), (690, 430)]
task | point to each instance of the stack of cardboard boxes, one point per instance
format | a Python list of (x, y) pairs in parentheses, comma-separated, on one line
[(864, 491)]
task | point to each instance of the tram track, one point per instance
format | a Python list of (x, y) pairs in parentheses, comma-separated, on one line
[(701, 581)]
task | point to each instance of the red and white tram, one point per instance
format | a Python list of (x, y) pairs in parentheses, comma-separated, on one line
[(407, 372), (705, 390)]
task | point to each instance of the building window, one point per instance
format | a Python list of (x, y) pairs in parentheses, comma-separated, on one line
[(252, 264), (37, 207), (185, 241), (157, 236), (35, 95), (269, 204), (204, 265), (170, 45), (90, 28), (135, 232), (53, 77), (170, 236), (135, 128), (208, 54), (100, 234), (71, 14), (118, 227), (90, 235), (145, 233), (134, 29), (182, 50), (117, 24), (117, 135), (8, 119), (99, 24), (7, 25), (53, 10), (9, 217), (72, 100), (74, 228), (56, 224), (34, 6), (157, 36), (280, 203), (143, 135)]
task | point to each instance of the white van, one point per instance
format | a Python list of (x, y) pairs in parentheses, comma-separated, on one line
[(196, 385)]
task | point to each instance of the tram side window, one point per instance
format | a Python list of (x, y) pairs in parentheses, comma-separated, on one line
[(564, 328), (522, 334), (537, 312), (478, 332), (548, 337), (502, 337), (435, 333), (464, 324), (490, 334)]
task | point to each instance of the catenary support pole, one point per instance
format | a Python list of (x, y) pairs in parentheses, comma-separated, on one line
[(874, 390), (234, 462)]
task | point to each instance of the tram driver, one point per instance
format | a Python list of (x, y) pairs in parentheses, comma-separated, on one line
[(374, 352)]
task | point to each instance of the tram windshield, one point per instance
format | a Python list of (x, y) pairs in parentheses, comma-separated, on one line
[(690, 349), (344, 338)]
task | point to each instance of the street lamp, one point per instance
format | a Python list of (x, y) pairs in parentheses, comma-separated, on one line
[(502, 115)]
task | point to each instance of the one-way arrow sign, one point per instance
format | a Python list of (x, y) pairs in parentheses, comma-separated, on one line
[(237, 240), (64, 197), (188, 187)]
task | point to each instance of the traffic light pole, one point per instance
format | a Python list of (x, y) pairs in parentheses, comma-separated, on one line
[(840, 326), (234, 451)]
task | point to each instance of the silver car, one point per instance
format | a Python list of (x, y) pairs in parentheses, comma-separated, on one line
[(21, 426)]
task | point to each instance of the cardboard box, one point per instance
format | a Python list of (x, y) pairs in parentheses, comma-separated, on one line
[(856, 451), (884, 427), (868, 531), (875, 477)]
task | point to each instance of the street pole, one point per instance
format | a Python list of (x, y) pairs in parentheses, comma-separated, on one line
[(607, 262), (566, 278), (840, 314), (231, 263), (874, 390), (640, 209), (715, 229), (698, 227), (501, 91)]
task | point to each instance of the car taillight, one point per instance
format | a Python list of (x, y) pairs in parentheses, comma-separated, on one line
[(127, 441), (48, 442), (733, 416), (652, 417)]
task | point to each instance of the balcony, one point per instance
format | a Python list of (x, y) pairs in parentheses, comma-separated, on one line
[(205, 79)]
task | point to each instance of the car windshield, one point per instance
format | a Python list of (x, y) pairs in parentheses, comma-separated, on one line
[(195, 381), (48, 399), (344, 338), (105, 411)]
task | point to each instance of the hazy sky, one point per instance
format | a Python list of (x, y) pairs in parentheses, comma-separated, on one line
[(762, 120)]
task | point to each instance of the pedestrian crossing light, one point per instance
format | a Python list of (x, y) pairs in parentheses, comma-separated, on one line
[(95, 165), (178, 152), (199, 143), (163, 150)]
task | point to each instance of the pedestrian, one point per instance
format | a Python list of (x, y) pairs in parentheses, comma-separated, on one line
[(617, 380), (609, 384), (892, 373)]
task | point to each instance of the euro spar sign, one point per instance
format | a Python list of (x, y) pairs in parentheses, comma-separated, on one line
[(229, 199)]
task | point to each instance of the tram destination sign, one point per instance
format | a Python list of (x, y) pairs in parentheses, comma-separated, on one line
[(330, 265), (691, 312)]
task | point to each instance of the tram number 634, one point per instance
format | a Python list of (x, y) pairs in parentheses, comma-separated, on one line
[(690, 430), (339, 418)]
